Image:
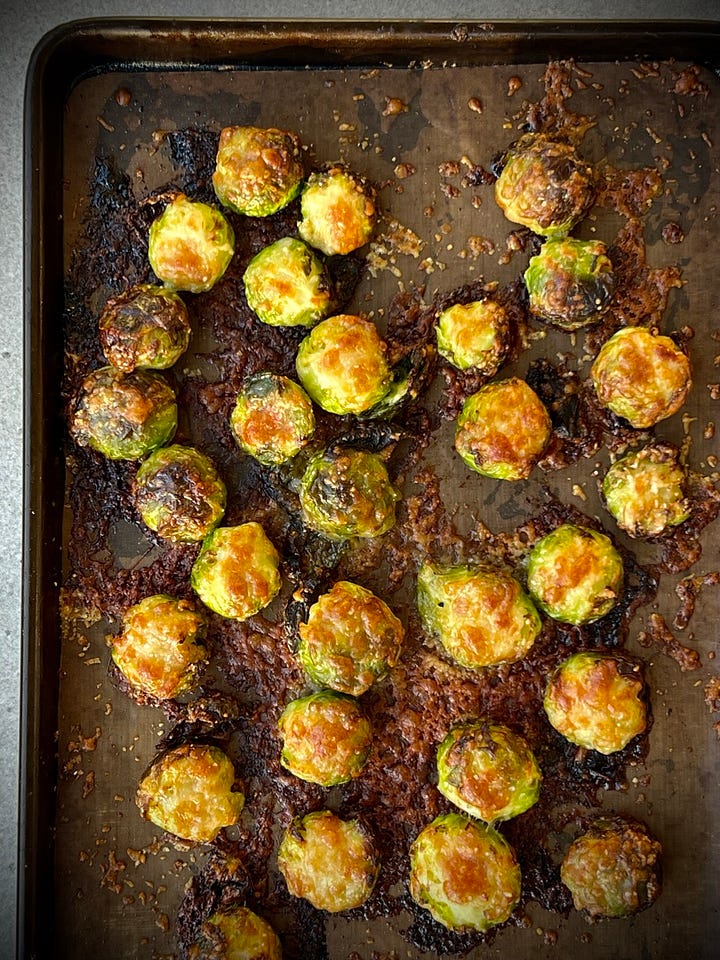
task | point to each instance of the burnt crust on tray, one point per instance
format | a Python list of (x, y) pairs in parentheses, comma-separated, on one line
[(255, 671)]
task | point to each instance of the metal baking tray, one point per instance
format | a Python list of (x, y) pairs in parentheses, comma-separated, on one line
[(402, 102)]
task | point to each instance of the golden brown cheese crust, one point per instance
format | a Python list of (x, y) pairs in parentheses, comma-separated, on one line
[(596, 701), (326, 738), (641, 376), (160, 648), (328, 861), (503, 430), (189, 792), (351, 639)]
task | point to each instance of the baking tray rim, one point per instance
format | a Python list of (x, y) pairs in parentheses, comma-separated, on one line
[(89, 44)]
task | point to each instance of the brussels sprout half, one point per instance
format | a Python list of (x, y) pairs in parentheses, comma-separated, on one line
[(235, 933), (641, 376), (328, 861), (350, 640), (575, 574), (258, 170), (613, 869), (474, 335), (482, 617), (147, 326), (191, 792), (339, 211), (545, 185), (645, 491), (326, 738), (503, 430), (124, 416), (160, 648), (488, 771), (190, 245), (594, 699), (464, 873), (236, 574), (570, 282), (287, 285), (346, 493), (273, 418), (342, 364), (179, 494)]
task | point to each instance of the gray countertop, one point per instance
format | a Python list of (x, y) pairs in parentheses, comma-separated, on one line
[(21, 31)]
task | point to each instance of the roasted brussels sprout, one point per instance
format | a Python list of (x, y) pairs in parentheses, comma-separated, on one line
[(594, 699), (124, 415), (287, 285), (179, 494), (474, 335), (191, 792), (464, 873), (146, 326), (342, 364), (488, 771), (645, 491), (575, 574), (235, 933), (161, 645), (191, 245), (328, 861), (570, 282), (258, 171), (614, 869), (338, 209), (273, 418), (641, 376), (326, 738), (481, 616), (346, 493), (236, 573), (503, 430), (350, 640), (545, 185)]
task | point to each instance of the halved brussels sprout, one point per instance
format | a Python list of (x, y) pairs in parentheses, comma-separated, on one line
[(342, 364), (161, 645), (339, 211), (474, 335), (191, 792), (350, 640), (191, 245), (287, 285), (179, 494), (641, 376), (258, 171), (481, 616), (545, 185), (613, 869), (328, 861), (575, 574), (326, 738), (124, 415), (570, 282), (645, 491), (346, 493), (147, 326), (503, 430), (235, 933), (594, 699), (236, 573), (488, 771), (273, 418), (464, 873)]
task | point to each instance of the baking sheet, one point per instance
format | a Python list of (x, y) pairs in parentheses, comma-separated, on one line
[(108, 863)]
